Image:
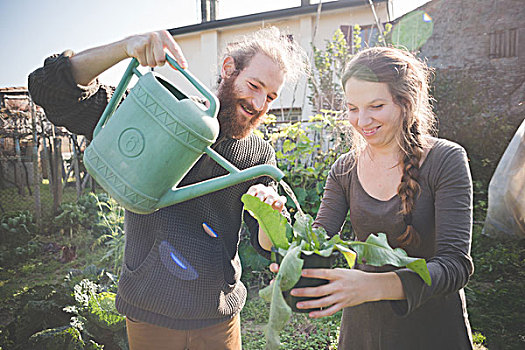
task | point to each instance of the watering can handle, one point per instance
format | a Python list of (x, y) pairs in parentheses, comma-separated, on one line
[(132, 69)]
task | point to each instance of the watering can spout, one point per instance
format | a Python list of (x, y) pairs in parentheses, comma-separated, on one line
[(182, 194)]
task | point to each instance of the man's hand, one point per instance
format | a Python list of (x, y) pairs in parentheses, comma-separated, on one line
[(268, 195), (150, 48)]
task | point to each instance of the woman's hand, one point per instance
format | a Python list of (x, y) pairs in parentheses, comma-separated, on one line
[(347, 287), (149, 48), (268, 195)]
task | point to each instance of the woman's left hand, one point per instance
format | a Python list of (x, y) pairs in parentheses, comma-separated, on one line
[(346, 287)]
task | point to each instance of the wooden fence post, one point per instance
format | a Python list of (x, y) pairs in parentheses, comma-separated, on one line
[(19, 178), (76, 166), (37, 180), (57, 173)]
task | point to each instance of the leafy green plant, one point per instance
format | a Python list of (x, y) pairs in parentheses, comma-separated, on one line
[(17, 229), (112, 219), (305, 152), (325, 81), (16, 233), (301, 238), (84, 213), (94, 319)]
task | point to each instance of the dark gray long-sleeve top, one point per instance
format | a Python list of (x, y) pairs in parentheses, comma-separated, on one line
[(431, 317)]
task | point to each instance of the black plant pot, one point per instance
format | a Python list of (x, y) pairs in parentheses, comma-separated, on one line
[(312, 261)]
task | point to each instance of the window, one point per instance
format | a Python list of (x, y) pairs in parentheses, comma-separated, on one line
[(285, 115), (503, 43), (369, 35)]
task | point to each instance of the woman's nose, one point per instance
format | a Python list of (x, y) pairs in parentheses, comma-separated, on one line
[(363, 119)]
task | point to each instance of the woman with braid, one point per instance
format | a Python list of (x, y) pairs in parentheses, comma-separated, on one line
[(415, 188)]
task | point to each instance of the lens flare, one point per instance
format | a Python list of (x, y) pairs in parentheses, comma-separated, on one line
[(175, 262), (427, 18)]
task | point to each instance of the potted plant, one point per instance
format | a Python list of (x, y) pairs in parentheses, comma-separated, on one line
[(293, 244)]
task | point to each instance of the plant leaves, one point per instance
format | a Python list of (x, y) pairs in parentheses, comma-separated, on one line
[(349, 254), (376, 252), (290, 269), (288, 275), (272, 222), (280, 313)]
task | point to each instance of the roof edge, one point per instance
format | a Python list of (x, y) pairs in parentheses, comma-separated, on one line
[(268, 15)]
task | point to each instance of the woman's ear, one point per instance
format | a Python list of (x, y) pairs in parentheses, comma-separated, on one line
[(228, 67)]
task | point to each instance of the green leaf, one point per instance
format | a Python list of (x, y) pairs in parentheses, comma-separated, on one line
[(302, 226), (273, 223), (103, 312), (288, 146), (290, 268), (280, 313), (349, 254), (376, 252)]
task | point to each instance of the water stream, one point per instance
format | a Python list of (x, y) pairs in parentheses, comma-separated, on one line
[(290, 193)]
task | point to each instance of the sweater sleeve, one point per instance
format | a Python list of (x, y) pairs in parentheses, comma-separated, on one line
[(452, 265), (66, 103), (334, 205)]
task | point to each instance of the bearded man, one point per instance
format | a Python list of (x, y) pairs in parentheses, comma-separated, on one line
[(165, 305)]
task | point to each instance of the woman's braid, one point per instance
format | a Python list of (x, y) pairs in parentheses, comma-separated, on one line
[(409, 188)]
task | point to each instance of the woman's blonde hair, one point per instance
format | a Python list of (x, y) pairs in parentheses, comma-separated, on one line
[(408, 80)]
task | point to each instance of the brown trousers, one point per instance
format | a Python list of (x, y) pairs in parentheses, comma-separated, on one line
[(222, 336)]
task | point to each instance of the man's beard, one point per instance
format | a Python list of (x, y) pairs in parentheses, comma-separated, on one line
[(232, 123)]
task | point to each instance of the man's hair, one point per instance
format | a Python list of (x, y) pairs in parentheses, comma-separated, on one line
[(281, 48)]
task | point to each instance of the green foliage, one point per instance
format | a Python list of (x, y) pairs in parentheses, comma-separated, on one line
[(31, 310), (255, 273), (301, 332), (60, 338), (112, 219), (462, 104), (496, 291), (16, 229), (16, 232), (304, 159), (325, 81), (84, 213), (412, 31), (93, 317)]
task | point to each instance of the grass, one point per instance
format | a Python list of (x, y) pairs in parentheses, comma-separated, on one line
[(46, 268), (496, 291), (301, 332)]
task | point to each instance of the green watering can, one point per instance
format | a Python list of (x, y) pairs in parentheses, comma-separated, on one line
[(153, 139)]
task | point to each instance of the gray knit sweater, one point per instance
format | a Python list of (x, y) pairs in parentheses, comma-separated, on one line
[(174, 274)]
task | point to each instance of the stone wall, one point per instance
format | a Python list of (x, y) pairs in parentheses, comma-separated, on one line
[(479, 97)]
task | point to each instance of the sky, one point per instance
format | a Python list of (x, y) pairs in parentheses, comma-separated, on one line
[(31, 30)]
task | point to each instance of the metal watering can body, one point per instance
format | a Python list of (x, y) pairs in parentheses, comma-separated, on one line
[(153, 139)]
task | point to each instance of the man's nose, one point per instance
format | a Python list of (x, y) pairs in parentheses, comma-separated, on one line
[(259, 101)]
